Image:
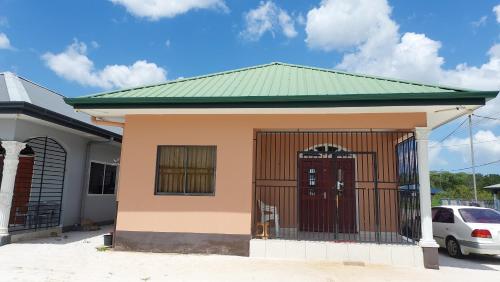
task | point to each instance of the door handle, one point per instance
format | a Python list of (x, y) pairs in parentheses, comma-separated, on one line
[(324, 195)]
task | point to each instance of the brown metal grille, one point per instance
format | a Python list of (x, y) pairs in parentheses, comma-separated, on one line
[(336, 185)]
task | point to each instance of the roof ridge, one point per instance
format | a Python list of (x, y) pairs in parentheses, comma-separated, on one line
[(32, 82), (375, 77), (183, 79), (276, 63)]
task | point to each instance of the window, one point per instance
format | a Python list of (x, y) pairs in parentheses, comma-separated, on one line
[(480, 215), (186, 170), (102, 178), (443, 216), (407, 164)]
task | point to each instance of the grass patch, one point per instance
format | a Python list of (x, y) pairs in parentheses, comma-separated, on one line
[(102, 248)]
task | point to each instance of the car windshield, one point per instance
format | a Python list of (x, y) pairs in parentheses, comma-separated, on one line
[(480, 215)]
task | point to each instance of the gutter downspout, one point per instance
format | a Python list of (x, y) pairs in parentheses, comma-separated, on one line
[(85, 178)]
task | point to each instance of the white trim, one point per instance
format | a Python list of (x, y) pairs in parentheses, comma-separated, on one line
[(422, 138), (312, 110), (437, 115)]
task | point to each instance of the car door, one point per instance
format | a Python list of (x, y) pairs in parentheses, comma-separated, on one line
[(442, 224)]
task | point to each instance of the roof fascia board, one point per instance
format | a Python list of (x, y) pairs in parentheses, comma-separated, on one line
[(402, 98), (116, 104), (51, 116)]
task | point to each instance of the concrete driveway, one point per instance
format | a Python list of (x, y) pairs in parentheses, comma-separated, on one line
[(471, 262), (74, 257)]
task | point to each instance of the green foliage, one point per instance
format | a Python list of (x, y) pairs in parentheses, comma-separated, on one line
[(459, 185), (102, 248)]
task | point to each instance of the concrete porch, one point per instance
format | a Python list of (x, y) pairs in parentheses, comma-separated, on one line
[(338, 252)]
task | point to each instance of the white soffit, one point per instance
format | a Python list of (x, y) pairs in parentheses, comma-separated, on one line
[(437, 115)]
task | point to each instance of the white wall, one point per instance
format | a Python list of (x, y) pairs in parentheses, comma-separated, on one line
[(75, 174), (7, 128), (101, 208)]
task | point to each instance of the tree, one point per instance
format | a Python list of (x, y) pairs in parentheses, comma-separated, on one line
[(459, 185)]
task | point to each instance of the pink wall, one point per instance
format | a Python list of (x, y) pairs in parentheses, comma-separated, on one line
[(229, 211)]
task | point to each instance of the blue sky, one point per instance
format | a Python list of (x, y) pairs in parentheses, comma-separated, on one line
[(82, 47)]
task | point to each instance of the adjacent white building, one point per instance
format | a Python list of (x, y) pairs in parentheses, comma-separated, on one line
[(57, 169)]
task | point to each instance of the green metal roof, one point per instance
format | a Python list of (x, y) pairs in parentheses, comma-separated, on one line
[(275, 83)]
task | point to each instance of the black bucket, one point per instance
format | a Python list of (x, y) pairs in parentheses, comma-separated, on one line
[(108, 240)]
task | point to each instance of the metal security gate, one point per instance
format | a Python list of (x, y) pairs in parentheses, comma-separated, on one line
[(336, 186), (39, 185)]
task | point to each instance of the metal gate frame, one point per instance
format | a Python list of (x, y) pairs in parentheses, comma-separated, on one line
[(273, 178), (44, 207)]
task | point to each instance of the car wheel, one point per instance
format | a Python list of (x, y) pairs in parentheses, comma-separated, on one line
[(453, 248)]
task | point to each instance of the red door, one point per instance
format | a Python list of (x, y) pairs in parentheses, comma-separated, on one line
[(317, 198), (22, 189), (346, 195), (324, 201)]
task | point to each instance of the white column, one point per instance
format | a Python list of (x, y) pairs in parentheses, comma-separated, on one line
[(10, 162), (422, 137)]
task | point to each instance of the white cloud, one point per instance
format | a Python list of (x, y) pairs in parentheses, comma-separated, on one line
[(342, 24), (4, 41), (74, 65), (366, 27), (486, 76), (480, 22), (376, 47), (156, 9), (268, 17), (413, 56), (435, 158), (496, 9), (486, 146)]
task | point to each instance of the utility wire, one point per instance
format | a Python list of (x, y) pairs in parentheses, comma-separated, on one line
[(451, 133), (459, 129), (478, 121), (465, 144), (492, 118), (465, 168)]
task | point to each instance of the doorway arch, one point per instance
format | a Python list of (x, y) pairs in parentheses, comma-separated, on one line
[(38, 191)]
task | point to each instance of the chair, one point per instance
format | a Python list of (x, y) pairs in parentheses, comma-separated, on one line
[(269, 213)]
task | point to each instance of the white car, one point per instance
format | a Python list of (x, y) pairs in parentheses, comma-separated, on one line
[(463, 230)]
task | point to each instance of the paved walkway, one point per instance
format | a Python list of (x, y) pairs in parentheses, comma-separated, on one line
[(74, 257)]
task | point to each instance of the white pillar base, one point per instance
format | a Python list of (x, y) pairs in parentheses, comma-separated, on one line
[(10, 162), (428, 244)]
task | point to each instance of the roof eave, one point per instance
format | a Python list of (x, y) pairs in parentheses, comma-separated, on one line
[(361, 100), (56, 118)]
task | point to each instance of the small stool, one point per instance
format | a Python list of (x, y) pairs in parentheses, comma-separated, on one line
[(264, 230)]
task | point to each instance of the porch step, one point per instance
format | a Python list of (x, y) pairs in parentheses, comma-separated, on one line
[(347, 253)]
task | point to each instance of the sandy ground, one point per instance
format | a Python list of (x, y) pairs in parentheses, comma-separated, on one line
[(74, 257)]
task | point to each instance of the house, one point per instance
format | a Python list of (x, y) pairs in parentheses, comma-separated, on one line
[(495, 190), (57, 169), (279, 160)]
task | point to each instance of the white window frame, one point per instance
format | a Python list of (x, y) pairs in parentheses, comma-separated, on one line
[(104, 177)]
